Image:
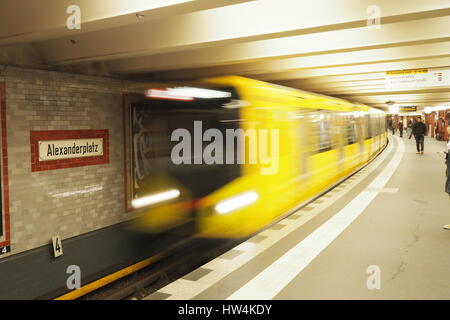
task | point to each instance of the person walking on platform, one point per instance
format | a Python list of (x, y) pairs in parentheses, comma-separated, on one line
[(409, 127), (400, 129), (447, 182), (419, 130)]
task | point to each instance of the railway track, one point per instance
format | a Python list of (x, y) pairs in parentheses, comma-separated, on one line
[(175, 262)]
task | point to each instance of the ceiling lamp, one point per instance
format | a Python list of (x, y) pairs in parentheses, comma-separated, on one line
[(427, 110), (394, 109)]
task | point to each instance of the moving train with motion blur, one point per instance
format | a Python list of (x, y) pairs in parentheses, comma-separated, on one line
[(229, 156)]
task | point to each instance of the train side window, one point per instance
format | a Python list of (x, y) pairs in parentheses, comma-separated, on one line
[(368, 123), (351, 130), (359, 128), (374, 123), (378, 125), (319, 124), (334, 129), (324, 132)]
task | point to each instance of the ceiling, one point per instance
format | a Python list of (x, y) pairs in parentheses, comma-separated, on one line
[(325, 46)]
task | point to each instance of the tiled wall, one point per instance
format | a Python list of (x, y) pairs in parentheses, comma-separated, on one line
[(71, 201)]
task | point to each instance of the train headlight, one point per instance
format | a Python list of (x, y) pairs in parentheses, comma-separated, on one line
[(236, 202), (155, 198)]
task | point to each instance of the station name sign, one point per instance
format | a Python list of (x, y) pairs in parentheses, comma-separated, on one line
[(59, 149), (67, 149)]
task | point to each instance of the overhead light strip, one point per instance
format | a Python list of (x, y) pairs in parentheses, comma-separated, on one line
[(186, 93)]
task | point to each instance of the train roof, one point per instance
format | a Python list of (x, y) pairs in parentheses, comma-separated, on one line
[(238, 80)]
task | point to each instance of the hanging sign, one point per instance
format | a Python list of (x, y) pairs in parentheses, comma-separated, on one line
[(415, 78), (408, 108)]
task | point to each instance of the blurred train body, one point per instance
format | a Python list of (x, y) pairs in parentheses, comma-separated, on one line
[(319, 141)]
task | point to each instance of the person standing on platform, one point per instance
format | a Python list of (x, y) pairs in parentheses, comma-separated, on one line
[(447, 182), (392, 125), (400, 128), (419, 130)]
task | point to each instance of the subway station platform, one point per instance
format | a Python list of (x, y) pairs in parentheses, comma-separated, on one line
[(378, 235), (130, 159)]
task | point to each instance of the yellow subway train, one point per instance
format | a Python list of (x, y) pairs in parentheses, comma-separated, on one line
[(230, 155)]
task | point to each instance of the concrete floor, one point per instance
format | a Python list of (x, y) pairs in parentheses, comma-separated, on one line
[(399, 232), (387, 218)]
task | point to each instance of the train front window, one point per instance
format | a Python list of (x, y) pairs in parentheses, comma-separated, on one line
[(161, 127)]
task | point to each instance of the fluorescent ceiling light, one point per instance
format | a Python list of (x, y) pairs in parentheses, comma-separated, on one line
[(440, 108), (137, 6), (198, 93), (186, 93), (394, 109), (164, 94), (376, 111), (236, 202), (155, 198)]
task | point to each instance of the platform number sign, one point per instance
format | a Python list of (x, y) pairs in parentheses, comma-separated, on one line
[(4, 250), (57, 246)]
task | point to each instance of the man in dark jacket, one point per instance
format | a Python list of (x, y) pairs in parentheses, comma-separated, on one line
[(419, 130), (400, 128)]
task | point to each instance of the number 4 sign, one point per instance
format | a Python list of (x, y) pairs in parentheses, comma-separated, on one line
[(57, 246), (5, 250)]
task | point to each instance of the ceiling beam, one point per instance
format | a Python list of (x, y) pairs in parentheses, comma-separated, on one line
[(363, 68), (38, 20), (236, 24), (194, 59)]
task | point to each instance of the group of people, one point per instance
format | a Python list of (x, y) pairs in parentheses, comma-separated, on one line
[(419, 130), (400, 126)]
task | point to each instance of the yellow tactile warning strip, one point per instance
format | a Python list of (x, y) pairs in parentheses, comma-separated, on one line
[(110, 278)]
